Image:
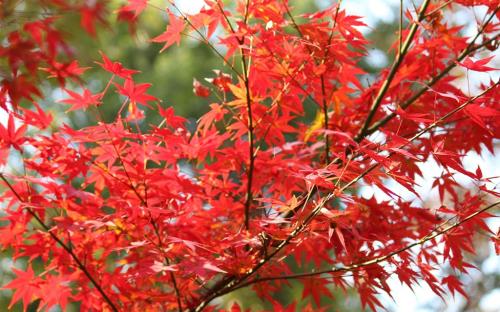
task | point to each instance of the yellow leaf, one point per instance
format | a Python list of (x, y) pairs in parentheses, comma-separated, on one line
[(318, 123)]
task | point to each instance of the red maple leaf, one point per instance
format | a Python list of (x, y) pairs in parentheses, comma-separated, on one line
[(61, 71), (39, 119), (454, 285), (11, 136), (136, 92), (135, 6), (90, 14), (315, 287), (116, 68), (199, 89), (478, 65), (82, 101), (173, 32), (26, 285), (55, 291)]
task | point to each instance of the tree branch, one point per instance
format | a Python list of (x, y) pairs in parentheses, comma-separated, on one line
[(250, 124), (352, 267), (469, 49), (392, 73), (67, 248)]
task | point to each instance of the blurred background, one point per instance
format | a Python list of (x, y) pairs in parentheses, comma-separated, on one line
[(171, 74)]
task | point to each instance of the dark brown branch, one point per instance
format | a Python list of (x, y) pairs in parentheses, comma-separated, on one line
[(352, 267), (67, 248), (250, 124), (251, 140), (472, 47), (382, 122), (394, 69)]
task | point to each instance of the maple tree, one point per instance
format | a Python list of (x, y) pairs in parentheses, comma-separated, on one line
[(128, 216)]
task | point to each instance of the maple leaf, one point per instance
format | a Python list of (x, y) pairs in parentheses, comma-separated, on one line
[(116, 68), (479, 65), (55, 291), (82, 101), (496, 241), (454, 285), (368, 297), (39, 119), (19, 87), (130, 18), (91, 13), (61, 71), (26, 285), (135, 6), (199, 89), (221, 81), (477, 113), (315, 287), (170, 117), (11, 136), (136, 92), (173, 32)]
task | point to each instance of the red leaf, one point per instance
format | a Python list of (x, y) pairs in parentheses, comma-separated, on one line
[(26, 285), (173, 120), (91, 13), (199, 89), (135, 6), (11, 136), (61, 71), (116, 68), (136, 92), (478, 65), (82, 101), (221, 81), (39, 119), (478, 113), (315, 287), (55, 291), (454, 285), (173, 32)]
